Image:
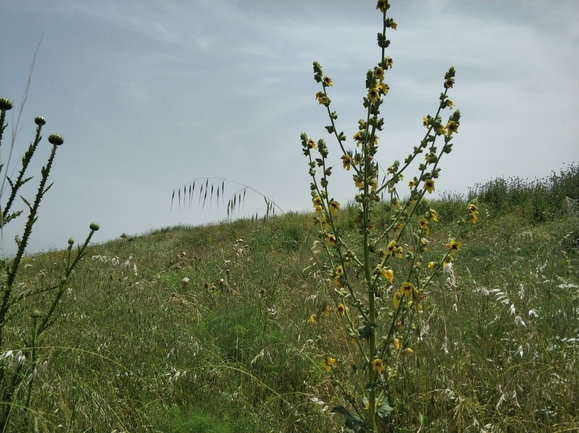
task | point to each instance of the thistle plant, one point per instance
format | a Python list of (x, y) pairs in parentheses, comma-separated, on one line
[(27, 310), (379, 281)]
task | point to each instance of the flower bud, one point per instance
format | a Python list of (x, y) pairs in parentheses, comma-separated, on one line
[(39, 120), (5, 104), (55, 139), (94, 227)]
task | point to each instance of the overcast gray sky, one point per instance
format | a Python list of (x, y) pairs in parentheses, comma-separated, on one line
[(150, 95)]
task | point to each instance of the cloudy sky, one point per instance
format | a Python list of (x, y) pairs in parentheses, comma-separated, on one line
[(150, 95)]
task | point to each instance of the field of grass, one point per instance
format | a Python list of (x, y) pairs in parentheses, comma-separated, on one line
[(206, 330)]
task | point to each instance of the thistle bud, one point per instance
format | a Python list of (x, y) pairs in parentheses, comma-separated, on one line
[(39, 120), (94, 227), (5, 104), (55, 139)]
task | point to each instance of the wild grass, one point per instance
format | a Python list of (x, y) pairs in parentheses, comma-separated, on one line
[(206, 329)]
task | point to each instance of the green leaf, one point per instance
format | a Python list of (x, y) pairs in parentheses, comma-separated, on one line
[(384, 410)]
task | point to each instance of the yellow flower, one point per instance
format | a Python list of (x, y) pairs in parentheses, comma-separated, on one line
[(312, 143), (341, 309), (473, 218), (391, 248), (472, 208), (331, 239), (317, 201), (381, 4), (388, 274), (425, 122), (373, 94), (448, 83), (339, 271), (396, 344), (407, 289), (409, 350), (431, 265), (398, 252), (411, 184), (379, 73), (334, 207), (394, 25), (328, 363), (449, 104), (429, 185), (388, 62), (441, 130), (322, 98), (453, 246), (433, 215), (383, 89), (326, 311), (395, 203), (312, 318), (328, 81), (346, 161), (423, 224), (378, 365), (452, 127), (396, 299)]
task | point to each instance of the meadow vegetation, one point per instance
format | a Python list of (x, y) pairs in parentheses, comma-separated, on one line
[(391, 313), (206, 329)]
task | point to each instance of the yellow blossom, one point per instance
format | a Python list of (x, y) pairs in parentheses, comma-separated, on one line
[(386, 273), (433, 215), (328, 81), (452, 127), (312, 318), (334, 207), (449, 104), (409, 351), (429, 185), (341, 309), (391, 248), (393, 25), (411, 184), (472, 208), (379, 73), (331, 239), (423, 224), (396, 344), (388, 62), (346, 161), (407, 289), (383, 88), (328, 363), (373, 94), (431, 265), (453, 246), (396, 299), (378, 365), (448, 83)]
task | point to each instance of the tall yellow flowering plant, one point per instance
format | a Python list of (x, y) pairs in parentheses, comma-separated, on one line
[(379, 279)]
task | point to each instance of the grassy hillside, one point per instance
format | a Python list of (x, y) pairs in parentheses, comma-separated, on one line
[(205, 329)]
